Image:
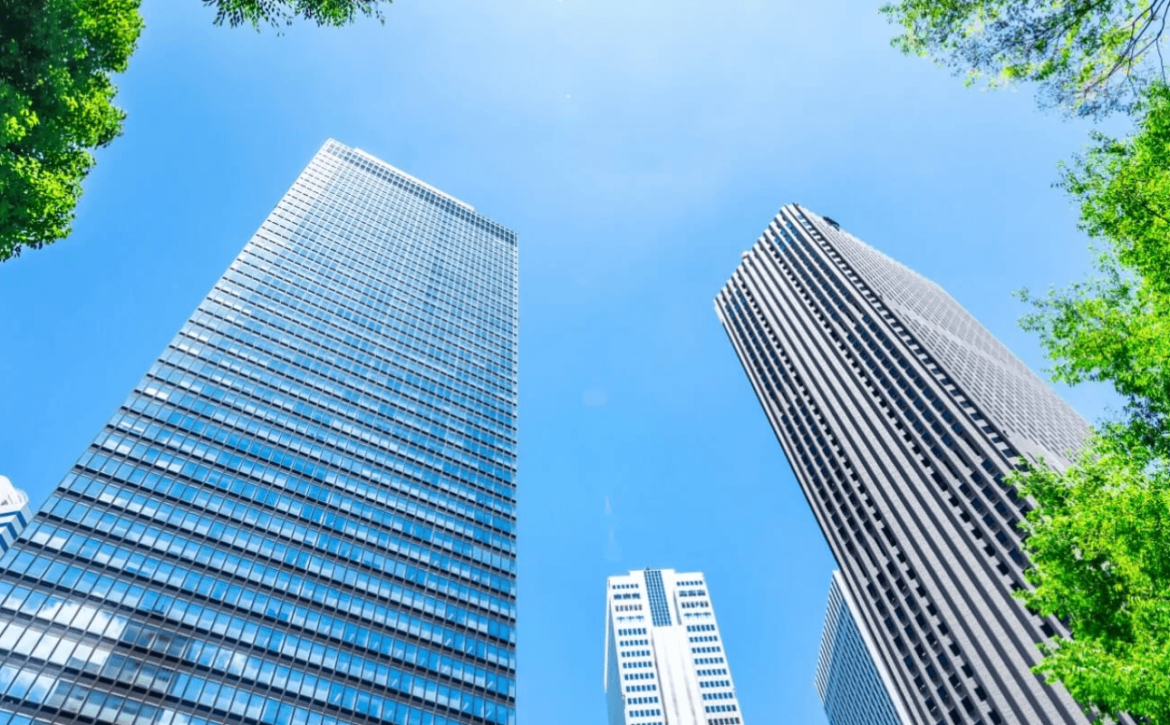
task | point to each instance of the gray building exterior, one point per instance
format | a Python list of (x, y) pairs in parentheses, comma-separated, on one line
[(853, 685), (304, 513), (900, 414)]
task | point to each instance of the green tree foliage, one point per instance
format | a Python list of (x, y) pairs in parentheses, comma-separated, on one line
[(1100, 534), (1089, 56), (56, 95), (283, 12), (56, 103)]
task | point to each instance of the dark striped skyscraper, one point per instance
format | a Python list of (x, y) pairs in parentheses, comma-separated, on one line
[(900, 415), (304, 513)]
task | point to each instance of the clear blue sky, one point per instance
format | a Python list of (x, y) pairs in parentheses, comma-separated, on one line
[(637, 147)]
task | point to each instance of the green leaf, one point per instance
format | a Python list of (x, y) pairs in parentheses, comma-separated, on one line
[(56, 104)]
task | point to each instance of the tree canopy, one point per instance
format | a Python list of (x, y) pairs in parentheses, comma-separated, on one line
[(1090, 57), (56, 95), (56, 103), (334, 13), (1099, 537)]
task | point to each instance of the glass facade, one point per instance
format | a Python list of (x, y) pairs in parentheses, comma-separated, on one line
[(849, 681), (305, 511)]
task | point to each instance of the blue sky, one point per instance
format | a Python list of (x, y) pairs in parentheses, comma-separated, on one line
[(637, 147)]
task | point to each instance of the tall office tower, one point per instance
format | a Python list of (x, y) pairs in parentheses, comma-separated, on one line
[(665, 662), (14, 513), (900, 414), (851, 682), (304, 513)]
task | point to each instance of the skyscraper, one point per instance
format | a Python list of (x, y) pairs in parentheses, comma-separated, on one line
[(14, 513), (851, 682), (900, 415), (665, 662), (304, 513)]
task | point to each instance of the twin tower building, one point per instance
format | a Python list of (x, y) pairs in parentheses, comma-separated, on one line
[(305, 511)]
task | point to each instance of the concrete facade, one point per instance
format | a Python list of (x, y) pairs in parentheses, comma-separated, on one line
[(900, 414), (665, 663)]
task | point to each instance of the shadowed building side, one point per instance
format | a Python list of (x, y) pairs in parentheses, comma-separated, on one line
[(853, 686)]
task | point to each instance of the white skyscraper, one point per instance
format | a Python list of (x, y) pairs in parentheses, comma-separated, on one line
[(665, 662), (14, 512)]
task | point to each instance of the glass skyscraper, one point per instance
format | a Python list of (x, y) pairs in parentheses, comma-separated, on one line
[(900, 415), (853, 686), (665, 661), (305, 511)]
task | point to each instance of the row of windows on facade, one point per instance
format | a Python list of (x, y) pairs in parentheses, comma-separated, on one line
[(240, 414), (225, 598), (306, 363), (478, 312), (98, 706), (398, 390), (37, 604), (253, 427), (143, 532), (644, 713), (292, 331), (646, 653), (327, 297), (351, 266), (36, 684), (272, 317), (330, 205), (393, 507), (631, 618), (341, 159), (132, 529), (256, 538), (114, 661), (268, 424), (249, 657), (389, 245), (362, 289), (386, 503), (139, 530), (294, 367), (398, 386), (280, 604), (268, 420), (453, 209)]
